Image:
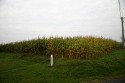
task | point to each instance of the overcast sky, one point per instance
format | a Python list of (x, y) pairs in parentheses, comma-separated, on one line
[(28, 19)]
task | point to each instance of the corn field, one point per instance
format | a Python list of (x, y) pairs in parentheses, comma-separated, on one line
[(68, 47)]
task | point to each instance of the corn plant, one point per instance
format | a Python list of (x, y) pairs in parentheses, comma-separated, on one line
[(68, 47)]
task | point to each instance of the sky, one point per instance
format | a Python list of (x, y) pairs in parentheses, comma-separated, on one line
[(29, 19)]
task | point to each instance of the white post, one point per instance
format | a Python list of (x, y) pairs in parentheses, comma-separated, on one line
[(51, 60)]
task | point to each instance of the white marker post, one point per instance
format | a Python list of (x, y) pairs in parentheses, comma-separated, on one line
[(51, 60)]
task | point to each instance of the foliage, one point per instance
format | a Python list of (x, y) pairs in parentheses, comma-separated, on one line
[(70, 47)]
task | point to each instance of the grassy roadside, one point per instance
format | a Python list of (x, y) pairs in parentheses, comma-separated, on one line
[(16, 69)]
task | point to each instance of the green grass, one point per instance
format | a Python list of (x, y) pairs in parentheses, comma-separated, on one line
[(35, 69)]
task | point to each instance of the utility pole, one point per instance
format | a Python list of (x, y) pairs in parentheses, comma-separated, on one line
[(122, 23), (123, 37)]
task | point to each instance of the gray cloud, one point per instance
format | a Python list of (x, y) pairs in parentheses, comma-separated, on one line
[(27, 19)]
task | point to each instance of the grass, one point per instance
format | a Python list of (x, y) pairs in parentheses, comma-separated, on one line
[(17, 69)]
